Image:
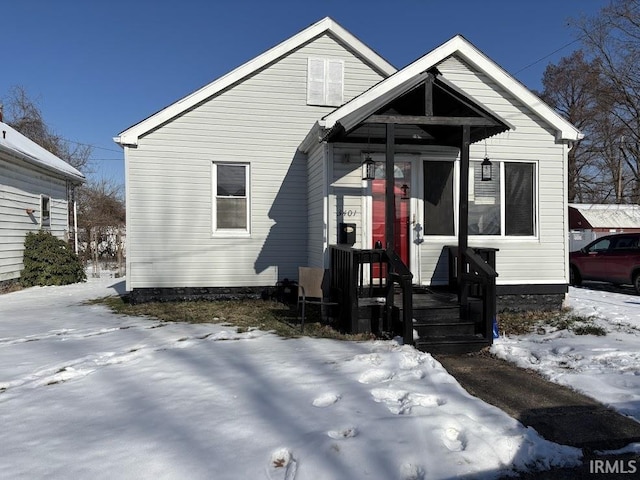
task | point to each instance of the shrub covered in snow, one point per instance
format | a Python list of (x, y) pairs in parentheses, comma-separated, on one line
[(49, 261)]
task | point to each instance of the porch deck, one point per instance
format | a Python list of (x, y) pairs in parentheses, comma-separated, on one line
[(437, 320)]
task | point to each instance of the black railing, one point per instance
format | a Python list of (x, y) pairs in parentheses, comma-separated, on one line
[(361, 277), (478, 280)]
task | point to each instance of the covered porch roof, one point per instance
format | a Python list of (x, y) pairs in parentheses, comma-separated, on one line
[(428, 110)]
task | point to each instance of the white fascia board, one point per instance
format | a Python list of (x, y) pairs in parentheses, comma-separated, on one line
[(130, 136), (313, 138), (348, 114), (564, 129)]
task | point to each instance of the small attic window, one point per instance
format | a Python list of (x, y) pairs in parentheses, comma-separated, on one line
[(325, 82)]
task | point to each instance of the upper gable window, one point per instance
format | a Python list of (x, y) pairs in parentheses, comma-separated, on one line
[(325, 82)]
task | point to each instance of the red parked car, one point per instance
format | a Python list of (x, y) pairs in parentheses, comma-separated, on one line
[(613, 259)]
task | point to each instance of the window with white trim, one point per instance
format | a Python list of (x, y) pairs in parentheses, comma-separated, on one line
[(231, 198), (325, 82), (506, 204), (45, 211)]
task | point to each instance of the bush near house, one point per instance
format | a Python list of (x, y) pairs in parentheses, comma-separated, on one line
[(49, 261)]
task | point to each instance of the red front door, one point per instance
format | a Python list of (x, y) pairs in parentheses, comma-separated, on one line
[(401, 198)]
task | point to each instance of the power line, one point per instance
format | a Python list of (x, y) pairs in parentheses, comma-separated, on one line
[(549, 55)]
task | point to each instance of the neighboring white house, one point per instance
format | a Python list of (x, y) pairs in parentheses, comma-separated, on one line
[(257, 173), (35, 191)]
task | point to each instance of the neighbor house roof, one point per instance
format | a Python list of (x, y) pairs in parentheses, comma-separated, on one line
[(326, 25), (19, 146), (403, 80), (608, 216)]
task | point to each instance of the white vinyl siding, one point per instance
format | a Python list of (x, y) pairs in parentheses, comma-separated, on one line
[(521, 259), (325, 82), (21, 188), (262, 119), (316, 185)]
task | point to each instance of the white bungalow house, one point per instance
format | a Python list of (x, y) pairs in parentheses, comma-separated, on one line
[(36, 192), (259, 172)]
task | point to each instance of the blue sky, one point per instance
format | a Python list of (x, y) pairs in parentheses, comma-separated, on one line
[(97, 67)]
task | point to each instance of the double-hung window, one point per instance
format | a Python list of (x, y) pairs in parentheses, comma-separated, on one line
[(325, 82), (231, 198)]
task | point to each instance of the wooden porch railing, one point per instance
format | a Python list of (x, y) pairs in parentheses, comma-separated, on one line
[(478, 281), (359, 277)]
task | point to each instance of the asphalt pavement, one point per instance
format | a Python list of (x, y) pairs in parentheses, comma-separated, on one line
[(557, 413)]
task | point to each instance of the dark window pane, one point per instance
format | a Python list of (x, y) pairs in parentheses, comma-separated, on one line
[(519, 198), (438, 198), (231, 180), (231, 213)]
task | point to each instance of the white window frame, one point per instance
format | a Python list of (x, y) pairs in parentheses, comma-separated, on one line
[(536, 201), (45, 199), (230, 232), (327, 82)]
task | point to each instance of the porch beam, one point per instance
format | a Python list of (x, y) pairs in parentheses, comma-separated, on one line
[(463, 211), (433, 120), (390, 211)]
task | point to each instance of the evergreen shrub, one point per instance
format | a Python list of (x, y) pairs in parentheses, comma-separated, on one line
[(49, 260)]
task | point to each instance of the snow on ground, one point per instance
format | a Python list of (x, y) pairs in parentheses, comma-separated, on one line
[(87, 394), (606, 368)]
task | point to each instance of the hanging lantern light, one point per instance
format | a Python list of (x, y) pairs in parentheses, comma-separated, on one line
[(368, 168), (486, 169)]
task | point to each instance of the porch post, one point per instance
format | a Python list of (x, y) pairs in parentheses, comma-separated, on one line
[(390, 210), (463, 210)]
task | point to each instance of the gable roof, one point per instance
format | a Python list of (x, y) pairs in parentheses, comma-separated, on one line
[(403, 80), (17, 145), (326, 25)]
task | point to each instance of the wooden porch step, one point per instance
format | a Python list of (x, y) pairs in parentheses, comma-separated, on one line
[(444, 328), (452, 344)]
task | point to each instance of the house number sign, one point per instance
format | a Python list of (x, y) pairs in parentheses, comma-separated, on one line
[(347, 213)]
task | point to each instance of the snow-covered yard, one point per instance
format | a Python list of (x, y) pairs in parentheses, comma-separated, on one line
[(606, 368), (88, 394)]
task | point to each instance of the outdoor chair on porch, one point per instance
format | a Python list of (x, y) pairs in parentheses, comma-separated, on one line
[(312, 288)]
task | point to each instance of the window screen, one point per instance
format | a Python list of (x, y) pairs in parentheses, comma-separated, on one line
[(519, 198), (438, 198)]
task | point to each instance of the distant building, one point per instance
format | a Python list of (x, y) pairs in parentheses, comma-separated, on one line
[(588, 221)]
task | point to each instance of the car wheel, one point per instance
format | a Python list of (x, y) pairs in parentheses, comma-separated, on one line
[(575, 278), (636, 282)]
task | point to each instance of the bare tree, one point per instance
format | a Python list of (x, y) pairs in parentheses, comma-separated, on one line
[(23, 114), (613, 39), (571, 88), (102, 219)]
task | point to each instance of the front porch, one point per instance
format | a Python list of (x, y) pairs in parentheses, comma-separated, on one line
[(375, 293)]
